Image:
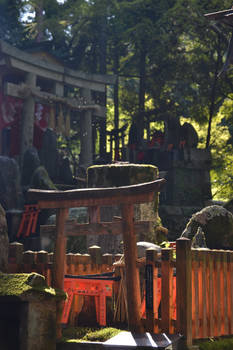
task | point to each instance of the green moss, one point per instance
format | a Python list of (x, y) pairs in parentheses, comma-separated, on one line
[(101, 334), (80, 334), (120, 174), (20, 283), (216, 344)]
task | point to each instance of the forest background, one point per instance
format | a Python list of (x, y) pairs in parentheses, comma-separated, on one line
[(165, 54)]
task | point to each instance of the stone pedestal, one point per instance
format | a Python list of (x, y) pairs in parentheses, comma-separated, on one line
[(28, 309), (187, 190), (123, 174)]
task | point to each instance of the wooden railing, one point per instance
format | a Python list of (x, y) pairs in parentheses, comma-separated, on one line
[(201, 304), (42, 262)]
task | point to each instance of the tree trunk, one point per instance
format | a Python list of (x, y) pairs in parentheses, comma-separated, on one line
[(116, 95), (212, 97), (142, 90), (102, 70)]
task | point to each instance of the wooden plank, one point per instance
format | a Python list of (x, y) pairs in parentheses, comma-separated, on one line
[(217, 293), (184, 289), (200, 287), (230, 295), (195, 294), (210, 278), (203, 303), (96, 196), (132, 273), (205, 296), (72, 228), (225, 324), (166, 299), (94, 214)]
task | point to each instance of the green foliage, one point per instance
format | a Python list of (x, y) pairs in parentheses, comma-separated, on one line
[(165, 52), (216, 344)]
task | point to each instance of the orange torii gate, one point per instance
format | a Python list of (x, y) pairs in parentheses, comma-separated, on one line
[(94, 198)]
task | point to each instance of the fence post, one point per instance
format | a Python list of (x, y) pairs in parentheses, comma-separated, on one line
[(184, 289), (42, 263), (15, 257), (151, 293), (96, 258), (167, 282)]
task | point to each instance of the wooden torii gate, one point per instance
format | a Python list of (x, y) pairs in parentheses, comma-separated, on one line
[(94, 198)]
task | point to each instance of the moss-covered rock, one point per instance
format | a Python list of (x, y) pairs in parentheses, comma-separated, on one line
[(120, 174), (217, 224), (125, 174), (80, 334), (41, 180), (19, 284)]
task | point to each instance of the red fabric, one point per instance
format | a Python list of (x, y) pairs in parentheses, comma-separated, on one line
[(10, 110), (42, 116), (10, 114)]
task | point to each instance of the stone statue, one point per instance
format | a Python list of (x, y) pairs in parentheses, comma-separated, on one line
[(217, 225)]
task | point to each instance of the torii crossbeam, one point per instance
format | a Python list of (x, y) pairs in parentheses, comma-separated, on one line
[(93, 198)]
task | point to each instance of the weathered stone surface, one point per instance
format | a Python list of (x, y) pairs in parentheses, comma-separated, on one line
[(217, 225), (123, 174), (4, 241), (41, 180), (48, 153), (9, 183), (175, 218), (31, 162), (36, 320), (187, 186)]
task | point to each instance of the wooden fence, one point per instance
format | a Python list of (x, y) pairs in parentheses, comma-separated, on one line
[(42, 261), (196, 297)]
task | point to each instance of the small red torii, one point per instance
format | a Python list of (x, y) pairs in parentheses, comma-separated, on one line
[(93, 198)]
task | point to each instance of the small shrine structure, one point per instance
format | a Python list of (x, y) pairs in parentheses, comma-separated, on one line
[(38, 92)]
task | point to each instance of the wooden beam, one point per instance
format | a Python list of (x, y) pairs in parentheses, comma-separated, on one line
[(56, 76), (30, 61), (72, 228), (87, 197), (23, 91), (218, 15)]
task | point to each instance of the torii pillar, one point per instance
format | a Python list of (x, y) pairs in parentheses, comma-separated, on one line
[(126, 197), (27, 121)]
